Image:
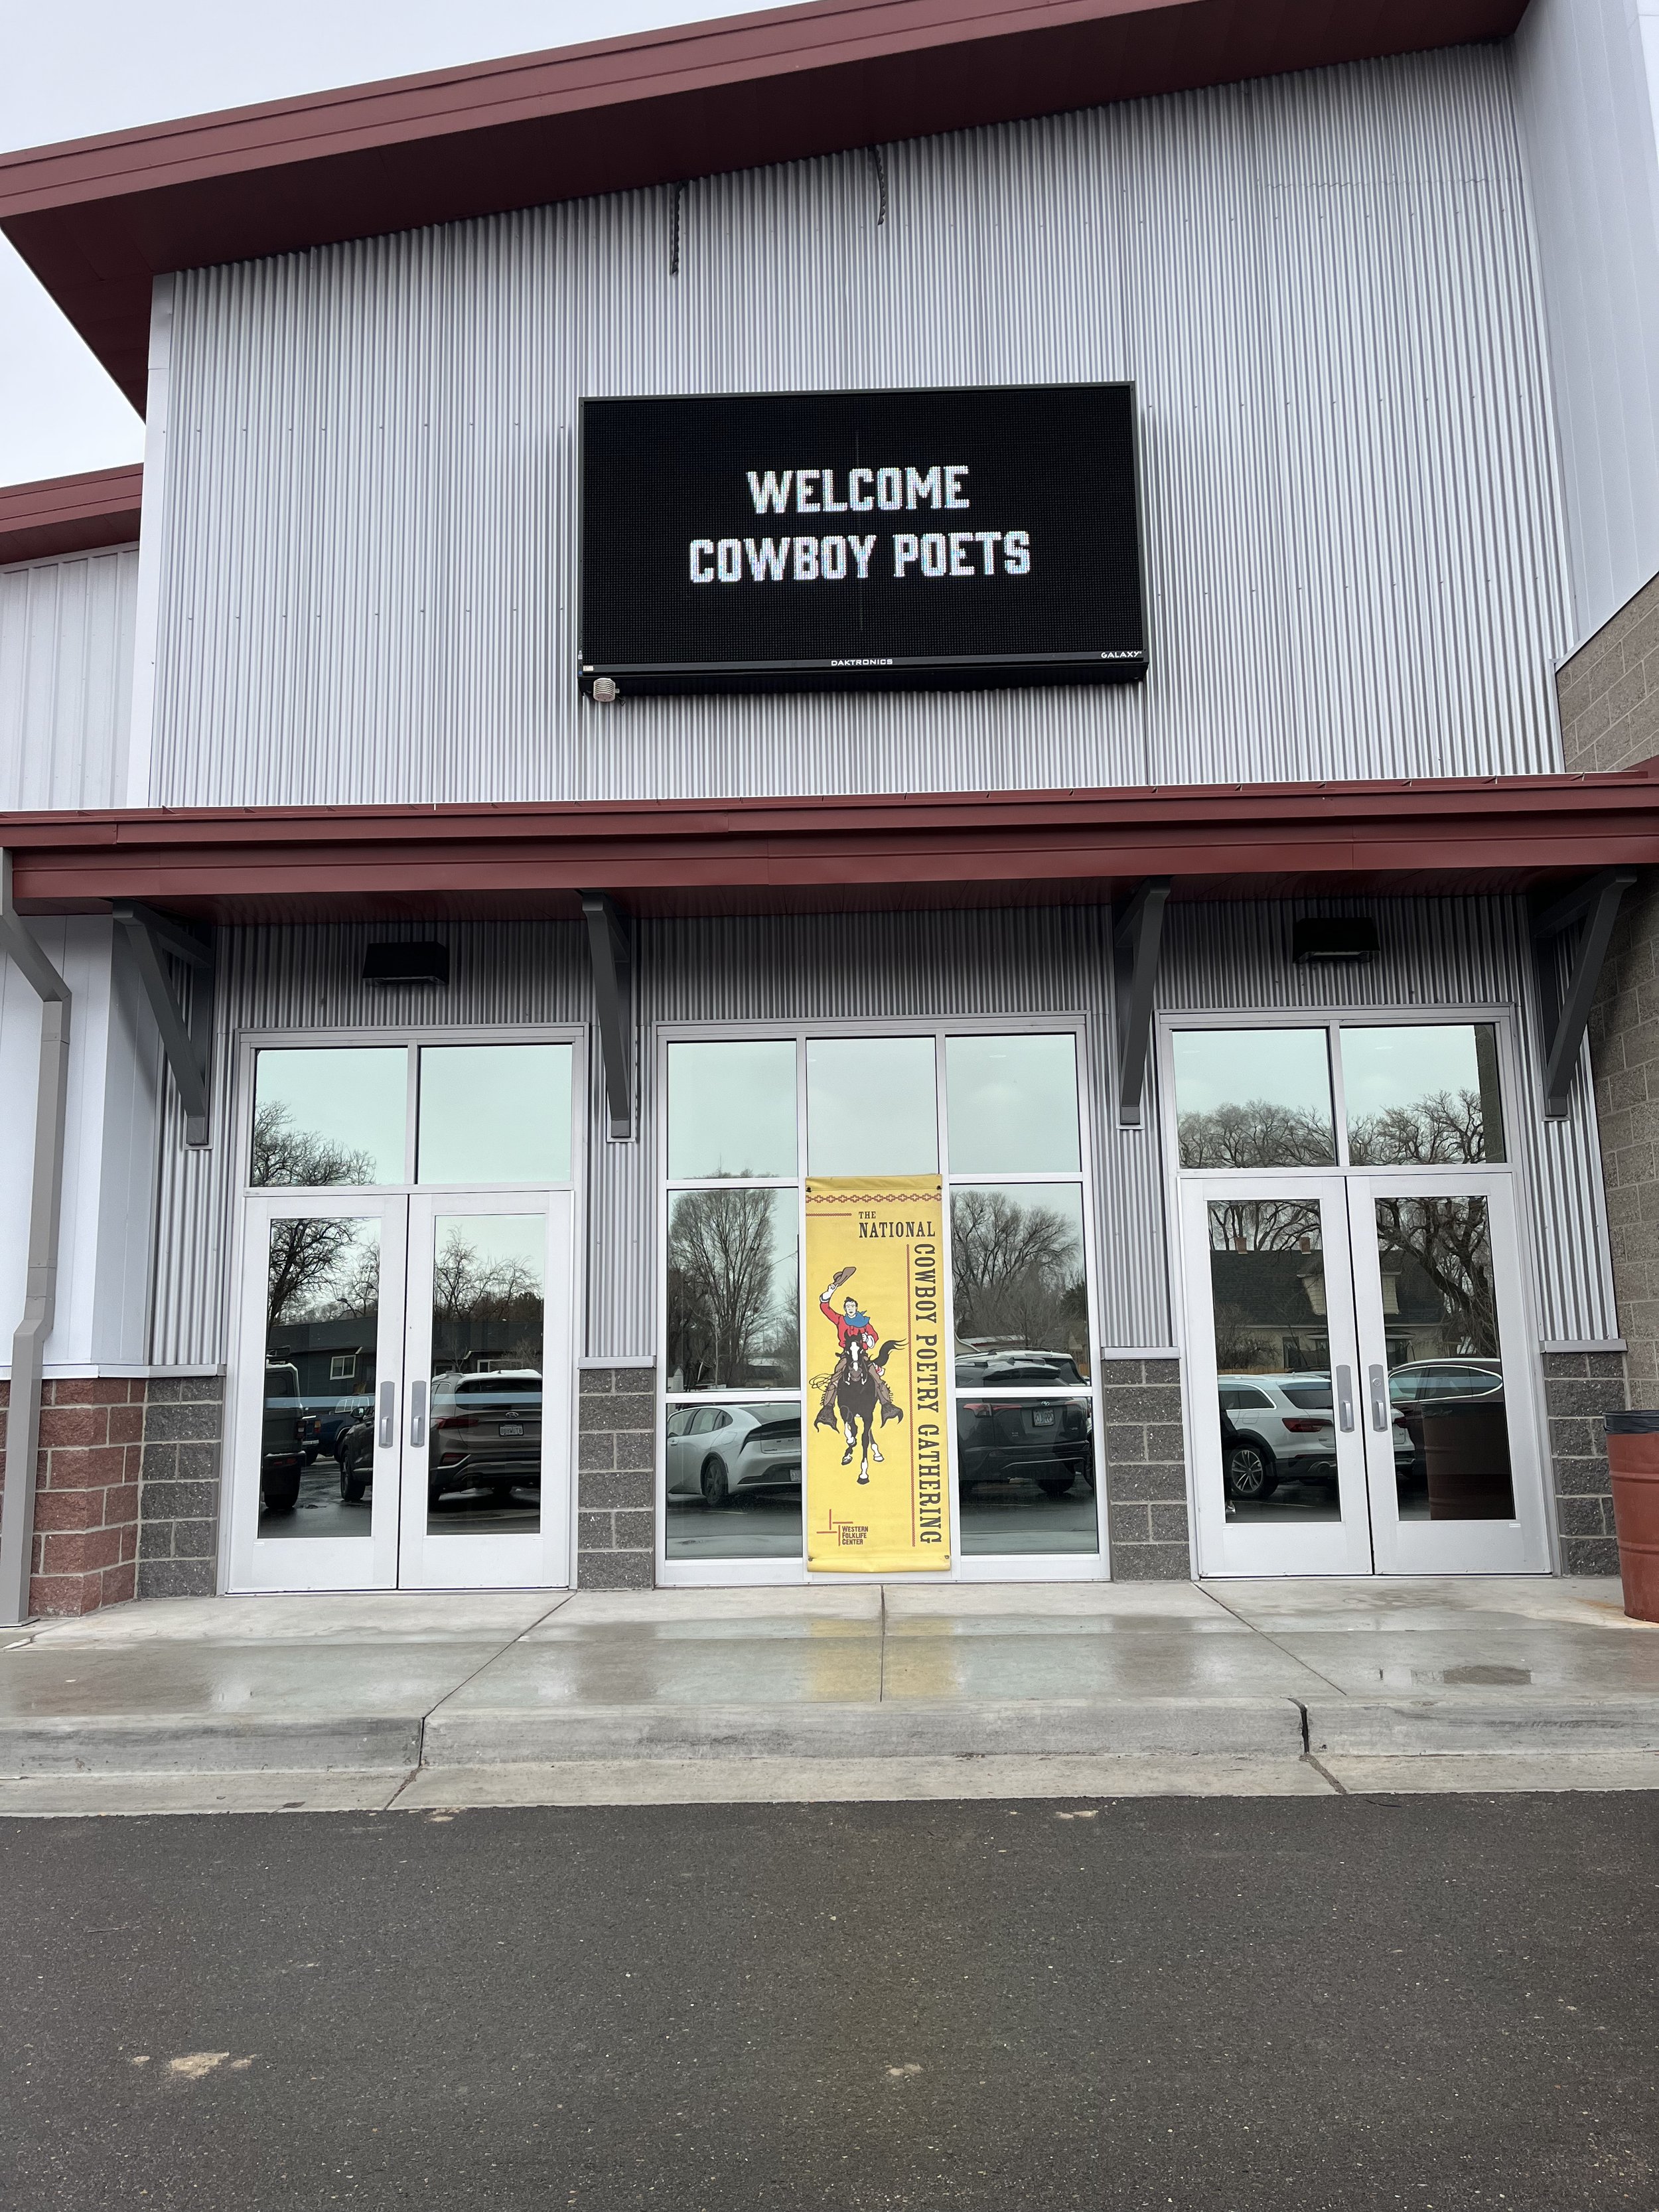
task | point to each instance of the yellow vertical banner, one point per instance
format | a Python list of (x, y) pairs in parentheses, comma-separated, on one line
[(876, 1458)]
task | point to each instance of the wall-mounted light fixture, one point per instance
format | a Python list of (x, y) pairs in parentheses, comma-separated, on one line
[(420, 962), (1318, 939)]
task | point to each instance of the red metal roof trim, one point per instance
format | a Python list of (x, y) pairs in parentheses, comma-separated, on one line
[(70, 514), (770, 855), (97, 219)]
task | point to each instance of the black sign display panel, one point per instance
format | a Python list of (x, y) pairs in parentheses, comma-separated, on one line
[(861, 540)]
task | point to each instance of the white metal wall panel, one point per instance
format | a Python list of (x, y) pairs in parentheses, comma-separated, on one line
[(1446, 952), (879, 966), (1321, 285), (66, 679), (1586, 99)]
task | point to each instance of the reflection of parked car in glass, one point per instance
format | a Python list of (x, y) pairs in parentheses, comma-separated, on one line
[(484, 1432), (1047, 1441), (1437, 1381), (311, 1438), (1420, 1387), (1016, 1370), (282, 1455), (346, 1413), (718, 1452), (1283, 1430)]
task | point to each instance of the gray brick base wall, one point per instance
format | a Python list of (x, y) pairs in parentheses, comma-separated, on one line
[(1145, 1470), (617, 1488), (179, 1487), (1579, 1387)]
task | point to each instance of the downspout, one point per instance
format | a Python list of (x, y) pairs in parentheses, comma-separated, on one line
[(41, 1294)]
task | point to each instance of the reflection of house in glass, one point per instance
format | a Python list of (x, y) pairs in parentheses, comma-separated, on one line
[(1270, 1311), (334, 1359)]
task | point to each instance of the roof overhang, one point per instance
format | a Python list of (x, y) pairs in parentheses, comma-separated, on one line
[(772, 856), (70, 514), (97, 220)]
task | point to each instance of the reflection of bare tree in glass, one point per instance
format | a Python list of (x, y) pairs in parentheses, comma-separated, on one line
[(305, 1254), (1263, 1225), (1449, 1240), (1018, 1272), (481, 1307), (1256, 1135), (1445, 1128), (305, 1283), (729, 1319), (297, 1158)]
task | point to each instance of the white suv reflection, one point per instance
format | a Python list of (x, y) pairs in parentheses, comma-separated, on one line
[(720, 1452)]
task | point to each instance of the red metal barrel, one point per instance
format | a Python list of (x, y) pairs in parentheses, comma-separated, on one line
[(1633, 1460)]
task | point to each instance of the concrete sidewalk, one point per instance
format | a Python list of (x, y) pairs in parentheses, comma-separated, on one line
[(894, 1691)]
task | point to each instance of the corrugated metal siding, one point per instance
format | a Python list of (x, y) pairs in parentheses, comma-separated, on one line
[(1450, 952), (1585, 77), (1321, 284), (923, 966), (66, 679)]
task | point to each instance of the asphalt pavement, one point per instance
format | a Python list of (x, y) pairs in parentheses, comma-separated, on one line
[(1243, 2005)]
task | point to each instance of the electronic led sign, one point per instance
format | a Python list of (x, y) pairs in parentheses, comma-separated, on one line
[(861, 540)]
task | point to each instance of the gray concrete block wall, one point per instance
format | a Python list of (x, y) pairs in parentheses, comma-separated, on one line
[(615, 1478), (1144, 1460), (1608, 695), (1608, 692), (179, 1486), (1579, 1387)]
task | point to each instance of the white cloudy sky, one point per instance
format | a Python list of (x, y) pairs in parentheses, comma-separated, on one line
[(89, 65)]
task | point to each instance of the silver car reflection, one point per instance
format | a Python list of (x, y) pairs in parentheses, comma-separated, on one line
[(718, 1453)]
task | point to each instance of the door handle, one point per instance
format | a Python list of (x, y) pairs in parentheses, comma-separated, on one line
[(417, 1416), (1380, 1413), (387, 1434), (1345, 1399)]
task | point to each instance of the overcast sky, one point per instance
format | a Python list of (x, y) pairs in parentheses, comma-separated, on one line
[(89, 65)]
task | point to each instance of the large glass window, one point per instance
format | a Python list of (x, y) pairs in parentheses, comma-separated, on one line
[(1425, 1094), (871, 1106), (331, 1115), (732, 1481), (1024, 1448), (1025, 1455), (1253, 1098), (494, 1113), (328, 1115)]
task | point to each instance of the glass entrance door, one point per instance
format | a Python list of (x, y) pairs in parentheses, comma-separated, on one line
[(487, 1413), (1280, 1466), (1364, 1340), (1452, 1445), (401, 1407)]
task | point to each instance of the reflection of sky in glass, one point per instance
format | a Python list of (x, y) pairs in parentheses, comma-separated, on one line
[(733, 1288), (1230, 1067), (732, 1109), (870, 1106), (1011, 1104), (494, 1113), (497, 1238), (352, 1099), (1384, 1067)]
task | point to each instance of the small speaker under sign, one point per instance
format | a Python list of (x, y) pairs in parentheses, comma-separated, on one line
[(1318, 937), (420, 963)]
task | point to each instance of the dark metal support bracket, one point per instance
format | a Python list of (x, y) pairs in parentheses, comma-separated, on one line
[(188, 1046), (1595, 903), (610, 948), (1137, 935)]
